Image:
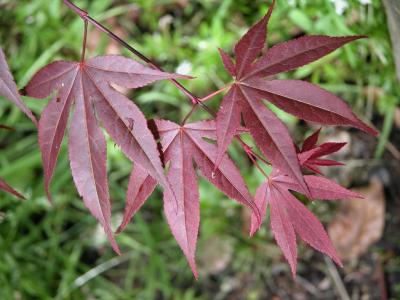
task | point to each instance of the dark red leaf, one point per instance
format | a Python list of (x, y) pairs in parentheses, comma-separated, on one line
[(140, 187), (228, 63), (295, 53), (9, 90), (307, 225), (309, 102), (310, 158), (311, 141), (313, 168), (228, 121), (226, 177), (251, 44), (87, 154), (88, 85), (326, 149), (260, 199), (184, 146), (289, 215), (325, 162), (283, 228), (324, 189), (321, 188), (271, 136), (184, 224), (299, 98)]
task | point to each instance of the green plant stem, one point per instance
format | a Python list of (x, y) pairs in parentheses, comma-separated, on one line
[(194, 99)]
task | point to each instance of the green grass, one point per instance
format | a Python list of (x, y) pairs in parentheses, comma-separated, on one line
[(59, 251)]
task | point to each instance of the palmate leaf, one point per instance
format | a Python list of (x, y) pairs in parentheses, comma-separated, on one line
[(310, 154), (302, 99), (244, 101), (183, 147), (87, 84), (289, 216)]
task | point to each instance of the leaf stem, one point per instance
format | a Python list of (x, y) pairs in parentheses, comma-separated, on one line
[(194, 106), (209, 96), (247, 148), (250, 154), (85, 29), (193, 99)]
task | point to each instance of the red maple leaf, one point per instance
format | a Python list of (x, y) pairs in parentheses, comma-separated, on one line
[(289, 216), (87, 84), (310, 154), (183, 147), (302, 99)]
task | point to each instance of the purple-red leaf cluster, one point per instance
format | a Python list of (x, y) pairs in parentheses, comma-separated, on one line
[(169, 154), (184, 147), (244, 102)]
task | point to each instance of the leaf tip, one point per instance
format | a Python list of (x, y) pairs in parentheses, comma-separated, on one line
[(336, 259), (293, 268), (192, 264), (119, 229), (115, 246), (253, 229), (361, 36), (49, 197)]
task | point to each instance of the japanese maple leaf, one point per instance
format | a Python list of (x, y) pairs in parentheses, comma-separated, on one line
[(87, 84), (184, 146), (310, 154), (288, 216), (302, 99), (8, 88)]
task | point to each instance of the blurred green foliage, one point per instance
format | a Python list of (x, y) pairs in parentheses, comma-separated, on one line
[(59, 251)]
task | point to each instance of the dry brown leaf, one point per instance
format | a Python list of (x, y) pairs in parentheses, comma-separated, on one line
[(359, 222)]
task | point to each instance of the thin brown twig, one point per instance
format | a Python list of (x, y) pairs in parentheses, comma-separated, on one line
[(194, 106), (85, 29)]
